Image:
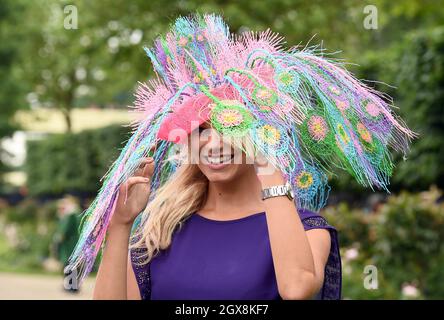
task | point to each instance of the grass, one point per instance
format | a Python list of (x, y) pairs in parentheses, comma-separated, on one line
[(46, 120)]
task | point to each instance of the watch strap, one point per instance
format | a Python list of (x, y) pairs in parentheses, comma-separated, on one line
[(277, 191), (274, 191)]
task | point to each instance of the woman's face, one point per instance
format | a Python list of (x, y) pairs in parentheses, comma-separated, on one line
[(218, 159)]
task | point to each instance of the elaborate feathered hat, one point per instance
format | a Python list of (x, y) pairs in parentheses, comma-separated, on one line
[(304, 112)]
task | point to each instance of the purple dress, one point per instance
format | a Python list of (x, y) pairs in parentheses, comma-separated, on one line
[(226, 260)]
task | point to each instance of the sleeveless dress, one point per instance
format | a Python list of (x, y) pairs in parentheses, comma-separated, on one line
[(226, 260)]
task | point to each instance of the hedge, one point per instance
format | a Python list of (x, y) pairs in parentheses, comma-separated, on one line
[(73, 163)]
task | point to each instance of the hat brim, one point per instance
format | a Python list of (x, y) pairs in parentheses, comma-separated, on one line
[(186, 117)]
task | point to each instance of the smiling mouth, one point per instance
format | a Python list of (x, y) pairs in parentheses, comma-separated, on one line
[(222, 159)]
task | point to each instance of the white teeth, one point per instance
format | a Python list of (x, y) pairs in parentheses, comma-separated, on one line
[(218, 160)]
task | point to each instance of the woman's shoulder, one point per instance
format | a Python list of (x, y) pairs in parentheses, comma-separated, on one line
[(313, 220), (332, 286)]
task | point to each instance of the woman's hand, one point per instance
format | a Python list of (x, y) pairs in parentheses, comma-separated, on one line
[(133, 194), (267, 174), (132, 198)]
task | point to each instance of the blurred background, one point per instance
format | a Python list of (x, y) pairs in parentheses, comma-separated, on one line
[(68, 70)]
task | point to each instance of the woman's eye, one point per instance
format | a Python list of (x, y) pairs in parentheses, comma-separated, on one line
[(201, 129)]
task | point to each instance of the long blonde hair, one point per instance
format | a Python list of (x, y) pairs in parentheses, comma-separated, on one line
[(184, 193)]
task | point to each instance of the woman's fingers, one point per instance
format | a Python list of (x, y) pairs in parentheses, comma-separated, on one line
[(146, 165), (148, 170), (263, 166), (142, 166), (134, 180), (261, 160), (154, 147), (144, 161)]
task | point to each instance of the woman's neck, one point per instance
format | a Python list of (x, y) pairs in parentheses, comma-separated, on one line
[(233, 199)]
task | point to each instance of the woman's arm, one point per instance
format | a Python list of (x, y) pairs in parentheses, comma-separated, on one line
[(299, 257), (116, 279), (111, 281), (113, 275), (133, 292)]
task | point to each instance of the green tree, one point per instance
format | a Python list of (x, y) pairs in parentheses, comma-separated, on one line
[(421, 94), (11, 89), (102, 60)]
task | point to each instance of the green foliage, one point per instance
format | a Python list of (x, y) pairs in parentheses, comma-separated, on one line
[(421, 94), (352, 220), (44, 64), (77, 67), (29, 211), (33, 226), (101, 61), (434, 279), (72, 162), (403, 238), (11, 88), (30, 236), (410, 228)]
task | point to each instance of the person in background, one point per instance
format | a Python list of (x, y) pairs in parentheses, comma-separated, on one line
[(66, 235)]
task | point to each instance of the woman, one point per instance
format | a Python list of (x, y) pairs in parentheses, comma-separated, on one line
[(242, 229), (232, 244)]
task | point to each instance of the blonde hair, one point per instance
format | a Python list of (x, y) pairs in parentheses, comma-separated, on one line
[(184, 193)]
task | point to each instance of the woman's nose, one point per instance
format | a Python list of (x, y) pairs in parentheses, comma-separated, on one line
[(214, 144), (214, 140)]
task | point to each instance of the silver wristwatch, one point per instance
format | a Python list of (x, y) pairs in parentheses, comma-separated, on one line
[(276, 191)]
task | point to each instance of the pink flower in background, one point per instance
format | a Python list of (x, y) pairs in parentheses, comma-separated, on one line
[(410, 291), (351, 254)]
